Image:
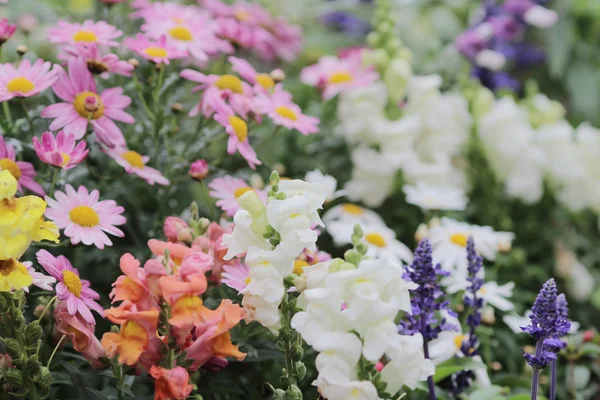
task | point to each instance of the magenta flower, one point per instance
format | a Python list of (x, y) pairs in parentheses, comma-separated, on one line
[(22, 171), (135, 163), (82, 102), (40, 280), (199, 169), (26, 80), (97, 63), (62, 152), (6, 30), (283, 111), (77, 293), (157, 51), (334, 75), (89, 31), (85, 219), (237, 129)]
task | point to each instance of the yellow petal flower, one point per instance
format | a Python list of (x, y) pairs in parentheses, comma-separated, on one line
[(8, 185), (13, 275)]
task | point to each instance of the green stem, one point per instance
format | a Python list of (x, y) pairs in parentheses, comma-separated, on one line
[(19, 336), (158, 122), (53, 245), (209, 203), (7, 115), (140, 92), (46, 308), (119, 376), (29, 120), (55, 349), (55, 174)]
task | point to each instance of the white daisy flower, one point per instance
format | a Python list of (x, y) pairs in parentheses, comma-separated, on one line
[(430, 197)]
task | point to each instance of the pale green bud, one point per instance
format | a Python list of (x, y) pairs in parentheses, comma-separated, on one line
[(482, 102), (396, 78), (250, 202)]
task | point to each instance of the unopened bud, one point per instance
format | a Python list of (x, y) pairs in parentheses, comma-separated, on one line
[(177, 108), (134, 62), (5, 362), (33, 332), (12, 346), (21, 49), (300, 283), (297, 353), (199, 169), (352, 256), (421, 232), (14, 377), (33, 368), (487, 316), (301, 370), (278, 75), (293, 393), (38, 310), (27, 23)]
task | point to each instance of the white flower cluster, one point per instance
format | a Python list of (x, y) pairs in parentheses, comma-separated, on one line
[(349, 313), (530, 143), (272, 237), (427, 149)]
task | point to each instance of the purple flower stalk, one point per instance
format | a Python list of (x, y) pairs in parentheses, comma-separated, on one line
[(498, 38), (347, 23), (462, 379), (549, 322), (426, 300)]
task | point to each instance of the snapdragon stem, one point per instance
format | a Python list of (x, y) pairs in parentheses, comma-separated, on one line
[(55, 348), (19, 336), (553, 380), (118, 374), (535, 377)]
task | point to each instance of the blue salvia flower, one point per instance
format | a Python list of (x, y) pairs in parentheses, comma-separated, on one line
[(426, 300), (554, 344), (347, 23)]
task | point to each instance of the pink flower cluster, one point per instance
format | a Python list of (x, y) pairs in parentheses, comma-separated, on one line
[(233, 102)]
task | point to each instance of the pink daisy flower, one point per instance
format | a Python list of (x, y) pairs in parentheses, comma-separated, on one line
[(76, 292), (236, 276), (232, 89), (242, 35), (6, 30), (22, 171), (237, 129), (26, 80), (84, 218), (78, 90), (97, 63), (89, 31), (247, 71), (157, 51), (187, 27), (63, 151), (135, 163), (284, 112), (334, 75), (40, 280), (227, 190)]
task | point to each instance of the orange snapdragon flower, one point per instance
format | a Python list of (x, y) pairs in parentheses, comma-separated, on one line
[(137, 334), (171, 384), (213, 337), (181, 293), (132, 286)]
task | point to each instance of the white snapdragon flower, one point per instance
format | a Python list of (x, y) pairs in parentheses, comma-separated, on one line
[(372, 177), (408, 365), (242, 236), (328, 182)]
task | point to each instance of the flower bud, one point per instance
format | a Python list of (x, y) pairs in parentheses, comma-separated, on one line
[(27, 23), (134, 62), (14, 377), (274, 178), (177, 230), (38, 310), (301, 368), (199, 169), (487, 316), (278, 75), (300, 283), (33, 368), (250, 202), (588, 336), (379, 366), (21, 49), (5, 362), (293, 393), (297, 353), (3, 305), (33, 333), (496, 366), (177, 108), (352, 256), (12, 346)]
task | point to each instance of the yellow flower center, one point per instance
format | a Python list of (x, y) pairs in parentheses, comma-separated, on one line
[(241, 15), (459, 339), (239, 127), (85, 36), (375, 239), (247, 280), (181, 33), (134, 159), (265, 81), (79, 105), (72, 282), (299, 266), (84, 216), (156, 52), (20, 84), (240, 191), (340, 77), (286, 112), (65, 158), (352, 209), (10, 166), (483, 291), (230, 82), (459, 239)]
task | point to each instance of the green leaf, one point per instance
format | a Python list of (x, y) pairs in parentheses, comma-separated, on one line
[(581, 77), (561, 42), (582, 376), (96, 394), (590, 349), (525, 396), (125, 389), (488, 393), (449, 367)]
